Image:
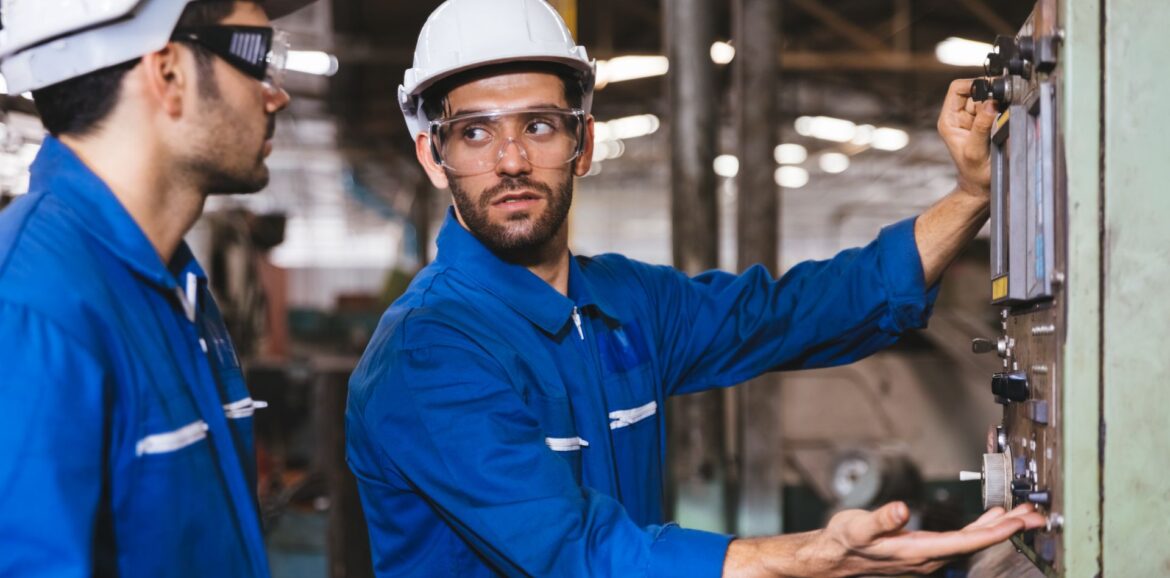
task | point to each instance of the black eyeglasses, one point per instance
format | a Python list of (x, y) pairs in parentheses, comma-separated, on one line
[(257, 51)]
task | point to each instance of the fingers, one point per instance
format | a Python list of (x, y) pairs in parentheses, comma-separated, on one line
[(885, 520), (988, 517), (984, 119), (958, 94)]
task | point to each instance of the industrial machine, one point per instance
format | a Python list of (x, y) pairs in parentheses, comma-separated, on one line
[(1028, 269)]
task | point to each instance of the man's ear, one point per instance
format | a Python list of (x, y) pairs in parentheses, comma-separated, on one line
[(426, 158), (584, 162), (165, 80)]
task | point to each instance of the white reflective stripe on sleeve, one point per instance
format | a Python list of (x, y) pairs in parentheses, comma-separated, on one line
[(243, 408), (566, 444), (172, 441), (626, 417)]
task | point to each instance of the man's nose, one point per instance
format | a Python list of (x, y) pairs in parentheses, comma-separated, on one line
[(513, 159)]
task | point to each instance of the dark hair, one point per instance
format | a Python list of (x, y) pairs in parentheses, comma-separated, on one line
[(435, 98), (78, 106)]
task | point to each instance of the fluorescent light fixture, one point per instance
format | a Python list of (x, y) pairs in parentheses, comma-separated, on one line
[(625, 68), (864, 135), (608, 150), (722, 53), (727, 166), (312, 62), (791, 177), (890, 139), (790, 154), (826, 128), (626, 128), (962, 52), (834, 163)]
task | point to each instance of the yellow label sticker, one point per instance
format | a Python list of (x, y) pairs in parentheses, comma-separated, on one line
[(999, 288)]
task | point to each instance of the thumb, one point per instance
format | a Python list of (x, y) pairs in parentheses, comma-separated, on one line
[(887, 519)]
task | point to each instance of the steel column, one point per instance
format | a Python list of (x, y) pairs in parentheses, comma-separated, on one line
[(695, 422), (756, 459)]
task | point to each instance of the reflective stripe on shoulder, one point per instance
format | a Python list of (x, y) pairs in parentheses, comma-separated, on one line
[(243, 408), (627, 417), (172, 441), (566, 444)]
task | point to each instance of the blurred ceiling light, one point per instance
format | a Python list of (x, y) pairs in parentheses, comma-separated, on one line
[(625, 68), (962, 52), (791, 177), (890, 139), (626, 128), (727, 166), (826, 128), (864, 136), (3, 85), (790, 154), (608, 150), (722, 53), (834, 163), (312, 62)]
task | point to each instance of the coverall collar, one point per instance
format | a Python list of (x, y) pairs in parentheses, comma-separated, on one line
[(515, 285), (59, 171)]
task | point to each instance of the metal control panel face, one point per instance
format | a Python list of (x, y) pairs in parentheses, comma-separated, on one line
[(1023, 463)]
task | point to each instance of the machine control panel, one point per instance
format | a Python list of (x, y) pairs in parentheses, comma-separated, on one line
[(1023, 459)]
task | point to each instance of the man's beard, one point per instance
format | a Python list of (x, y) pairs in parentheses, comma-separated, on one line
[(221, 169), (524, 238)]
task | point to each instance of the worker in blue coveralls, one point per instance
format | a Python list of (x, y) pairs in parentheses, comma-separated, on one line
[(125, 425), (507, 417)]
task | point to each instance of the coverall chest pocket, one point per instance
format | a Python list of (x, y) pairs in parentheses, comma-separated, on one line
[(171, 460), (555, 415), (635, 417)]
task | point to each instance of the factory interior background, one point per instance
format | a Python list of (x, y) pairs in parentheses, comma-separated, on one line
[(304, 269)]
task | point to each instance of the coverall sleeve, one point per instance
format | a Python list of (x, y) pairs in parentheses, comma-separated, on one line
[(449, 422), (719, 329), (51, 448)]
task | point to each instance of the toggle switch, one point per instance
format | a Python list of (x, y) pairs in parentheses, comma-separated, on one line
[(1010, 386)]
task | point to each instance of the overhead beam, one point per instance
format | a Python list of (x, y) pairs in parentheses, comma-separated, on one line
[(988, 16), (885, 61), (852, 32)]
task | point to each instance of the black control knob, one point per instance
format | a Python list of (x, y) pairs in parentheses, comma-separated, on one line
[(995, 64), (1027, 48), (1047, 51), (1039, 498), (980, 91), (1021, 488), (1010, 386), (1001, 90)]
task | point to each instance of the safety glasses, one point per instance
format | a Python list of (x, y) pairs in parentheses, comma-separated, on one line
[(257, 51), (471, 144)]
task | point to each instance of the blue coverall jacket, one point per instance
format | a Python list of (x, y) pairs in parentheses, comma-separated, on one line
[(125, 426), (498, 427)]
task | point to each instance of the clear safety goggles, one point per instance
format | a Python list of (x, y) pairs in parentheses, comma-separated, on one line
[(258, 51), (474, 143)]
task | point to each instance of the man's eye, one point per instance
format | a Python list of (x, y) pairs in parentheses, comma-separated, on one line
[(476, 134), (541, 128)]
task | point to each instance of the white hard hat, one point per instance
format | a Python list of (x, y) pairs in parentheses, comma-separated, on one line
[(44, 42), (461, 35)]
